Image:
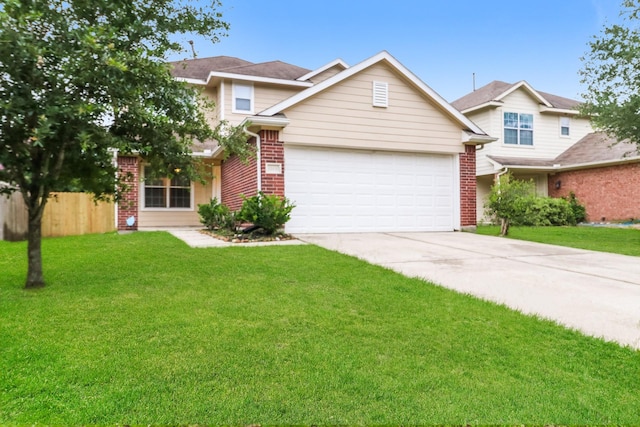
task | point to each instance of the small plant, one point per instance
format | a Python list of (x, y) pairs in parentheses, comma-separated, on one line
[(216, 216), (268, 212)]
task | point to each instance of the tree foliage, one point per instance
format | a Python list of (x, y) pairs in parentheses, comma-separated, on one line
[(508, 199), (80, 79), (611, 73)]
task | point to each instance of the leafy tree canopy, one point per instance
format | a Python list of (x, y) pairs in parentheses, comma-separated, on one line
[(611, 73), (82, 78)]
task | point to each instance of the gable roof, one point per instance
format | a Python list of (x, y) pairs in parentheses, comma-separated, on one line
[(204, 69), (390, 60), (595, 149), (493, 93)]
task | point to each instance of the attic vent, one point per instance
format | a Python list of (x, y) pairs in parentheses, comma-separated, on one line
[(380, 94)]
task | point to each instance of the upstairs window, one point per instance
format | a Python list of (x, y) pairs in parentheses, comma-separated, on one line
[(518, 129), (565, 126), (242, 98), (165, 193)]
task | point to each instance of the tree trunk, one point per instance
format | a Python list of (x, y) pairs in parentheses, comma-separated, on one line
[(35, 278), (504, 226)]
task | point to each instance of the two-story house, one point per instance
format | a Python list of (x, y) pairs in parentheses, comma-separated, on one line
[(532, 127), (368, 147), (542, 137)]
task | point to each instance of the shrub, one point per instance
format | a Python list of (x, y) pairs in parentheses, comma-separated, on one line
[(579, 211), (216, 216), (546, 211), (268, 212)]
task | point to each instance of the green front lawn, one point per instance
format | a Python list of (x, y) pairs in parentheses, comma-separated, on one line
[(625, 241), (141, 329)]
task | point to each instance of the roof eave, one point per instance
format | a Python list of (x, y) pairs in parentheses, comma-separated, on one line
[(213, 75), (597, 164), (335, 62), (482, 106), (552, 110), (266, 122), (476, 139)]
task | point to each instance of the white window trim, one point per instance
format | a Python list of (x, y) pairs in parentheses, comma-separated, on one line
[(560, 127), (167, 181), (233, 98), (533, 133)]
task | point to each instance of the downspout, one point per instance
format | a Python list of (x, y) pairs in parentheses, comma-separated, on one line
[(505, 170), (259, 160)]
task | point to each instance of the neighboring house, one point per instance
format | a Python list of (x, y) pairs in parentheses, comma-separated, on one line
[(363, 148), (542, 137)]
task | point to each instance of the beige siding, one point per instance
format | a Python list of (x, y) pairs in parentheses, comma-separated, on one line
[(343, 116), (547, 141), (212, 95), (181, 218), (265, 96)]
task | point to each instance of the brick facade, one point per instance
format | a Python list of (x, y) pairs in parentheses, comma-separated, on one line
[(609, 193), (237, 178), (468, 187), (128, 205), (272, 151)]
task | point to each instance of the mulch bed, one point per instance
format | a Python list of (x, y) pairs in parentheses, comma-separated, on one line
[(247, 237)]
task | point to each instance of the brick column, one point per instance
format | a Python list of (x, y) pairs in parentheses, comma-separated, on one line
[(272, 153), (468, 187), (128, 204)]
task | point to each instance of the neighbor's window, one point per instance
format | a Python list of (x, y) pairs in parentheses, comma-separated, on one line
[(167, 193), (518, 129), (242, 98), (565, 124)]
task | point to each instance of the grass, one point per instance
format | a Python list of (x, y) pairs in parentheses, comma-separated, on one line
[(141, 329), (625, 241)]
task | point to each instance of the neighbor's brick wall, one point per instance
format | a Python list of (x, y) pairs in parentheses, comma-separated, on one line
[(272, 151), (128, 205), (237, 178), (468, 186), (612, 192)]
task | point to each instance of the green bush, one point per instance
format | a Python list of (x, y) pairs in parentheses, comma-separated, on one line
[(216, 216), (545, 211), (269, 212), (579, 211)]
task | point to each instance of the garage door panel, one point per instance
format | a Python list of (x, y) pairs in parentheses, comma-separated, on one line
[(355, 191)]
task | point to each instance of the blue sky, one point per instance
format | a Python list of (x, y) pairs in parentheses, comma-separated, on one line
[(442, 41)]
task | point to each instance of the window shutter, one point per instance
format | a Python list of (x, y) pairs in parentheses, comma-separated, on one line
[(380, 94)]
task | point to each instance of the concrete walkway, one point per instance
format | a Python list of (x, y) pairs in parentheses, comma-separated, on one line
[(596, 293)]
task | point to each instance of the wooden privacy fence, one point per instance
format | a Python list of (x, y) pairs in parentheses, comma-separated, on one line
[(65, 214)]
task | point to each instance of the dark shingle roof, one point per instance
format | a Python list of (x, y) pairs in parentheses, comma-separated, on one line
[(200, 68), (493, 90), (594, 148), (482, 95)]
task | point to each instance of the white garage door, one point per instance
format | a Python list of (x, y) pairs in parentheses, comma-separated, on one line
[(358, 191)]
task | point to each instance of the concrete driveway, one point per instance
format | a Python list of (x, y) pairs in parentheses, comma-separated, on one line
[(596, 293)]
